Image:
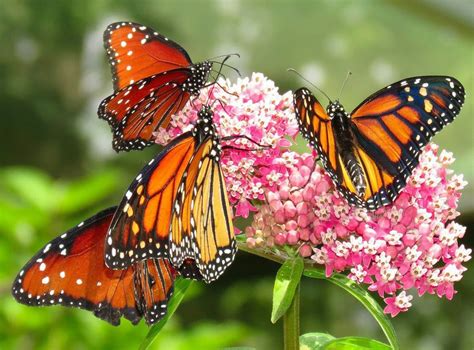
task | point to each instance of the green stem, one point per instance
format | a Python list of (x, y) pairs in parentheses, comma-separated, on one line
[(341, 281), (291, 323)]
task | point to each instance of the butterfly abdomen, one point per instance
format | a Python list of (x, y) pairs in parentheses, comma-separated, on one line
[(345, 144)]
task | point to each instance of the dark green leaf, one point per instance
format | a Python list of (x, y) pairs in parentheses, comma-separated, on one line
[(314, 341), (287, 279), (361, 295), (181, 285)]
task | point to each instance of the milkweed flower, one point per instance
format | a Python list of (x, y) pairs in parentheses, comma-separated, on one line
[(410, 246)]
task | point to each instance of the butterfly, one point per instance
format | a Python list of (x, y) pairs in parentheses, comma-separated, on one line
[(370, 153), (153, 78), (177, 208), (70, 271)]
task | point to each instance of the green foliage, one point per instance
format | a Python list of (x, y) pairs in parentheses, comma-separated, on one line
[(180, 287), (314, 341), (362, 296), (323, 341), (286, 282)]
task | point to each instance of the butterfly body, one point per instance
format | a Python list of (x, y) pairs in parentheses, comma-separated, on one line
[(370, 152), (346, 141)]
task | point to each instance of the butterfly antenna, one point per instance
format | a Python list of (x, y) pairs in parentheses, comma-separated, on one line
[(349, 73), (306, 80), (212, 59), (219, 73), (223, 64)]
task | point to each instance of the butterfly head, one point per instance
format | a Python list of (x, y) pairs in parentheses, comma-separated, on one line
[(335, 109)]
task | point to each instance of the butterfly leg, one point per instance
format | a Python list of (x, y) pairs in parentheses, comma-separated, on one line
[(233, 137)]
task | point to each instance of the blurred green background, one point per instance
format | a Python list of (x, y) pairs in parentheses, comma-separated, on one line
[(57, 166)]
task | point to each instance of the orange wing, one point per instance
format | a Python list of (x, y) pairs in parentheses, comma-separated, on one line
[(136, 52), (315, 125), (153, 281), (394, 124), (136, 111), (140, 228), (153, 79), (381, 188), (201, 226), (70, 271)]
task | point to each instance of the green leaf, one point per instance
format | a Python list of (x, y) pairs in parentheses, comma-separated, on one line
[(361, 295), (181, 285), (314, 341), (287, 279), (355, 343)]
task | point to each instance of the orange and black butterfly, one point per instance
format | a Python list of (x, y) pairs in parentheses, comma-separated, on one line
[(153, 79), (370, 153), (70, 271), (178, 208)]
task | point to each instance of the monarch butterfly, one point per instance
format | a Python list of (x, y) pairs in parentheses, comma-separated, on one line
[(370, 153), (177, 208), (70, 271), (153, 79)]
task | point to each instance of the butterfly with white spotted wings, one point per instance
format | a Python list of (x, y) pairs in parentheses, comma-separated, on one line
[(153, 79), (70, 271)]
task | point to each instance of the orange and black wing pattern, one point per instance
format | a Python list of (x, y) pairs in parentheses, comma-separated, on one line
[(392, 126), (135, 112), (201, 224), (136, 52), (70, 271), (153, 283), (140, 227), (153, 79), (380, 187), (315, 126)]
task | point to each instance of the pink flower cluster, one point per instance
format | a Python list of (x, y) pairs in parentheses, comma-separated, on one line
[(411, 244), (251, 107)]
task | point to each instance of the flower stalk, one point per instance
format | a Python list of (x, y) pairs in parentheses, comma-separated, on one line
[(291, 323)]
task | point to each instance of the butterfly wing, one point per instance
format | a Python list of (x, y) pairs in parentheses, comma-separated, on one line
[(70, 271), (201, 224), (153, 80), (315, 125), (153, 281), (392, 126), (136, 52), (136, 111), (140, 227)]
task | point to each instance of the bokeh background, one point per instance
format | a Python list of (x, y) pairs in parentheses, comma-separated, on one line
[(57, 166)]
